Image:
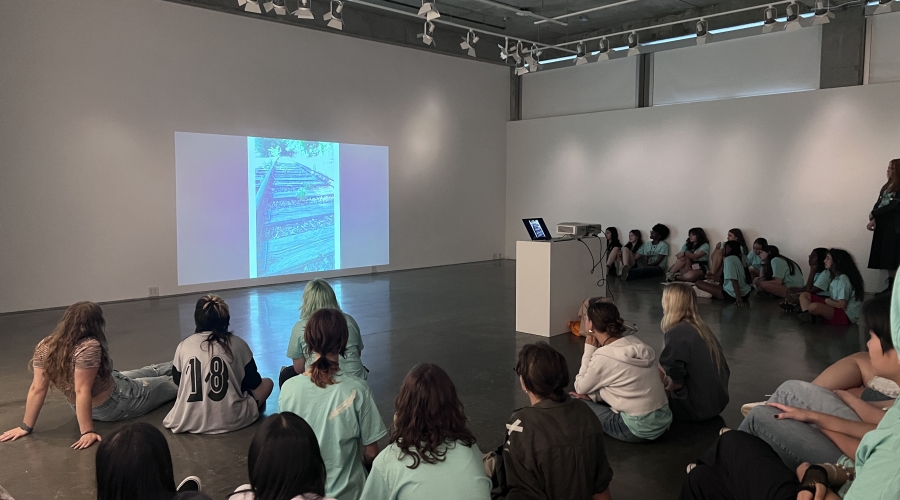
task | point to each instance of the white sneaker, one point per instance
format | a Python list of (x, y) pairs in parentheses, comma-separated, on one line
[(190, 483), (690, 467), (702, 294), (749, 406), (723, 430)]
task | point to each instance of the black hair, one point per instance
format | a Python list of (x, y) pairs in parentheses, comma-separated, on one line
[(544, 371), (843, 263), (876, 315), (820, 254), (134, 463), (761, 242), (735, 248), (774, 253), (661, 230), (701, 238), (639, 240), (613, 239), (211, 314), (739, 235), (284, 459)]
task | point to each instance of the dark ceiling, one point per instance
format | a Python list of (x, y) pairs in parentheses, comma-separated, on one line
[(507, 18)]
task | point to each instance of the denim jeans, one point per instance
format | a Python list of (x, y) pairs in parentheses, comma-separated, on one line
[(798, 442), (613, 424), (137, 392), (636, 273)]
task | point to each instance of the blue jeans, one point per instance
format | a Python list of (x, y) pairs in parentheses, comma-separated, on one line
[(137, 392), (636, 273), (798, 442), (613, 424)]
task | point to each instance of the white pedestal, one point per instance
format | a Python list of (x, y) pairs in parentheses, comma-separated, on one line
[(552, 280)]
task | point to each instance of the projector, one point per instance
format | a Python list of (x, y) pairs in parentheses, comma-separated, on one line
[(576, 229)]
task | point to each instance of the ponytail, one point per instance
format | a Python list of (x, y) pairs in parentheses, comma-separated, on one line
[(326, 333), (213, 315)]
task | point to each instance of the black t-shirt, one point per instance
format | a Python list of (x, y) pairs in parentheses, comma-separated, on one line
[(688, 361), (554, 451)]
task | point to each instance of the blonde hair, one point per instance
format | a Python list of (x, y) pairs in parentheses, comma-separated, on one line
[(318, 294), (82, 320), (680, 305)]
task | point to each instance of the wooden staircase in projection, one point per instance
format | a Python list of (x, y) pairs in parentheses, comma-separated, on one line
[(295, 220)]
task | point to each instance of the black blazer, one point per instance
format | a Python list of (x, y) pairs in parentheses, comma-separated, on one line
[(888, 212)]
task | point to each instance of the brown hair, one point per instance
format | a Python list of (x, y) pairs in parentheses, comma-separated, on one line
[(211, 314), (893, 184), (605, 317), (429, 414), (544, 371), (82, 320), (326, 333)]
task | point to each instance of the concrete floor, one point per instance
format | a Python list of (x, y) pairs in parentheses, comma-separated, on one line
[(460, 317)]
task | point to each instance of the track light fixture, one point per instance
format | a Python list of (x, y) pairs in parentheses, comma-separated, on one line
[(469, 42), (427, 35), (603, 50), (823, 14), (303, 10), (770, 20), (517, 52), (429, 10), (793, 17), (885, 6), (634, 43), (335, 16), (521, 69), (532, 58), (277, 6), (504, 49), (250, 6), (702, 31), (580, 54)]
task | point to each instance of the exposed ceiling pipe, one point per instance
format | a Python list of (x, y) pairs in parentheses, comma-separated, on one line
[(673, 23), (457, 25), (522, 12), (580, 12)]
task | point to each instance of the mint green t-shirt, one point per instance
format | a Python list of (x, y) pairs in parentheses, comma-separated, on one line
[(781, 269), (651, 425), (702, 248), (459, 476), (733, 270), (841, 289), (351, 363), (822, 280), (754, 260), (877, 459), (651, 251), (344, 417)]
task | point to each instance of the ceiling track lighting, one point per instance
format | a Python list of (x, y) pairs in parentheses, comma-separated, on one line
[(532, 58), (517, 52), (634, 44), (580, 54), (469, 42), (603, 50), (504, 49), (885, 6), (429, 10), (793, 17), (303, 10), (335, 16), (427, 35), (276, 5), (251, 6), (823, 13), (770, 20), (702, 31), (521, 69)]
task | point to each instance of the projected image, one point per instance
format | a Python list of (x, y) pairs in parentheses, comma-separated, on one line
[(255, 207), (297, 187)]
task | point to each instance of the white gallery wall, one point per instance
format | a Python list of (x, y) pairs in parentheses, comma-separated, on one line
[(884, 56), (801, 169), (92, 92), (587, 88)]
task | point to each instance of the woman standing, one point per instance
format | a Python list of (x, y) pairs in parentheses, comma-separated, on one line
[(696, 371), (75, 360), (432, 453), (884, 220)]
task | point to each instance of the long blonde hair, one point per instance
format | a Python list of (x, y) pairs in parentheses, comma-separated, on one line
[(81, 320), (680, 305), (317, 294)]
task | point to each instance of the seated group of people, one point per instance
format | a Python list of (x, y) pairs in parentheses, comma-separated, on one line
[(833, 292)]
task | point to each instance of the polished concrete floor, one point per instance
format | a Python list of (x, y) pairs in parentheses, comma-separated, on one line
[(460, 317)]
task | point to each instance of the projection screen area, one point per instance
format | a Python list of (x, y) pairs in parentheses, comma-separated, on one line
[(254, 207)]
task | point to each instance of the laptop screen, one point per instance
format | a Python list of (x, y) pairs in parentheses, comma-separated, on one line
[(537, 229)]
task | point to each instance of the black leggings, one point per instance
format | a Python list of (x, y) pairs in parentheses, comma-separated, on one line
[(740, 466)]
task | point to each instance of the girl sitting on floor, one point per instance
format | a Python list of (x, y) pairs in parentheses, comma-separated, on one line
[(693, 259), (620, 379), (650, 259), (717, 259), (222, 390), (816, 284), (735, 278), (613, 253), (779, 274), (754, 259), (845, 292), (696, 371), (432, 453), (75, 360), (284, 462), (338, 406)]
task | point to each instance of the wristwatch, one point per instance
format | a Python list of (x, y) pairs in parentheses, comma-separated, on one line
[(26, 428)]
